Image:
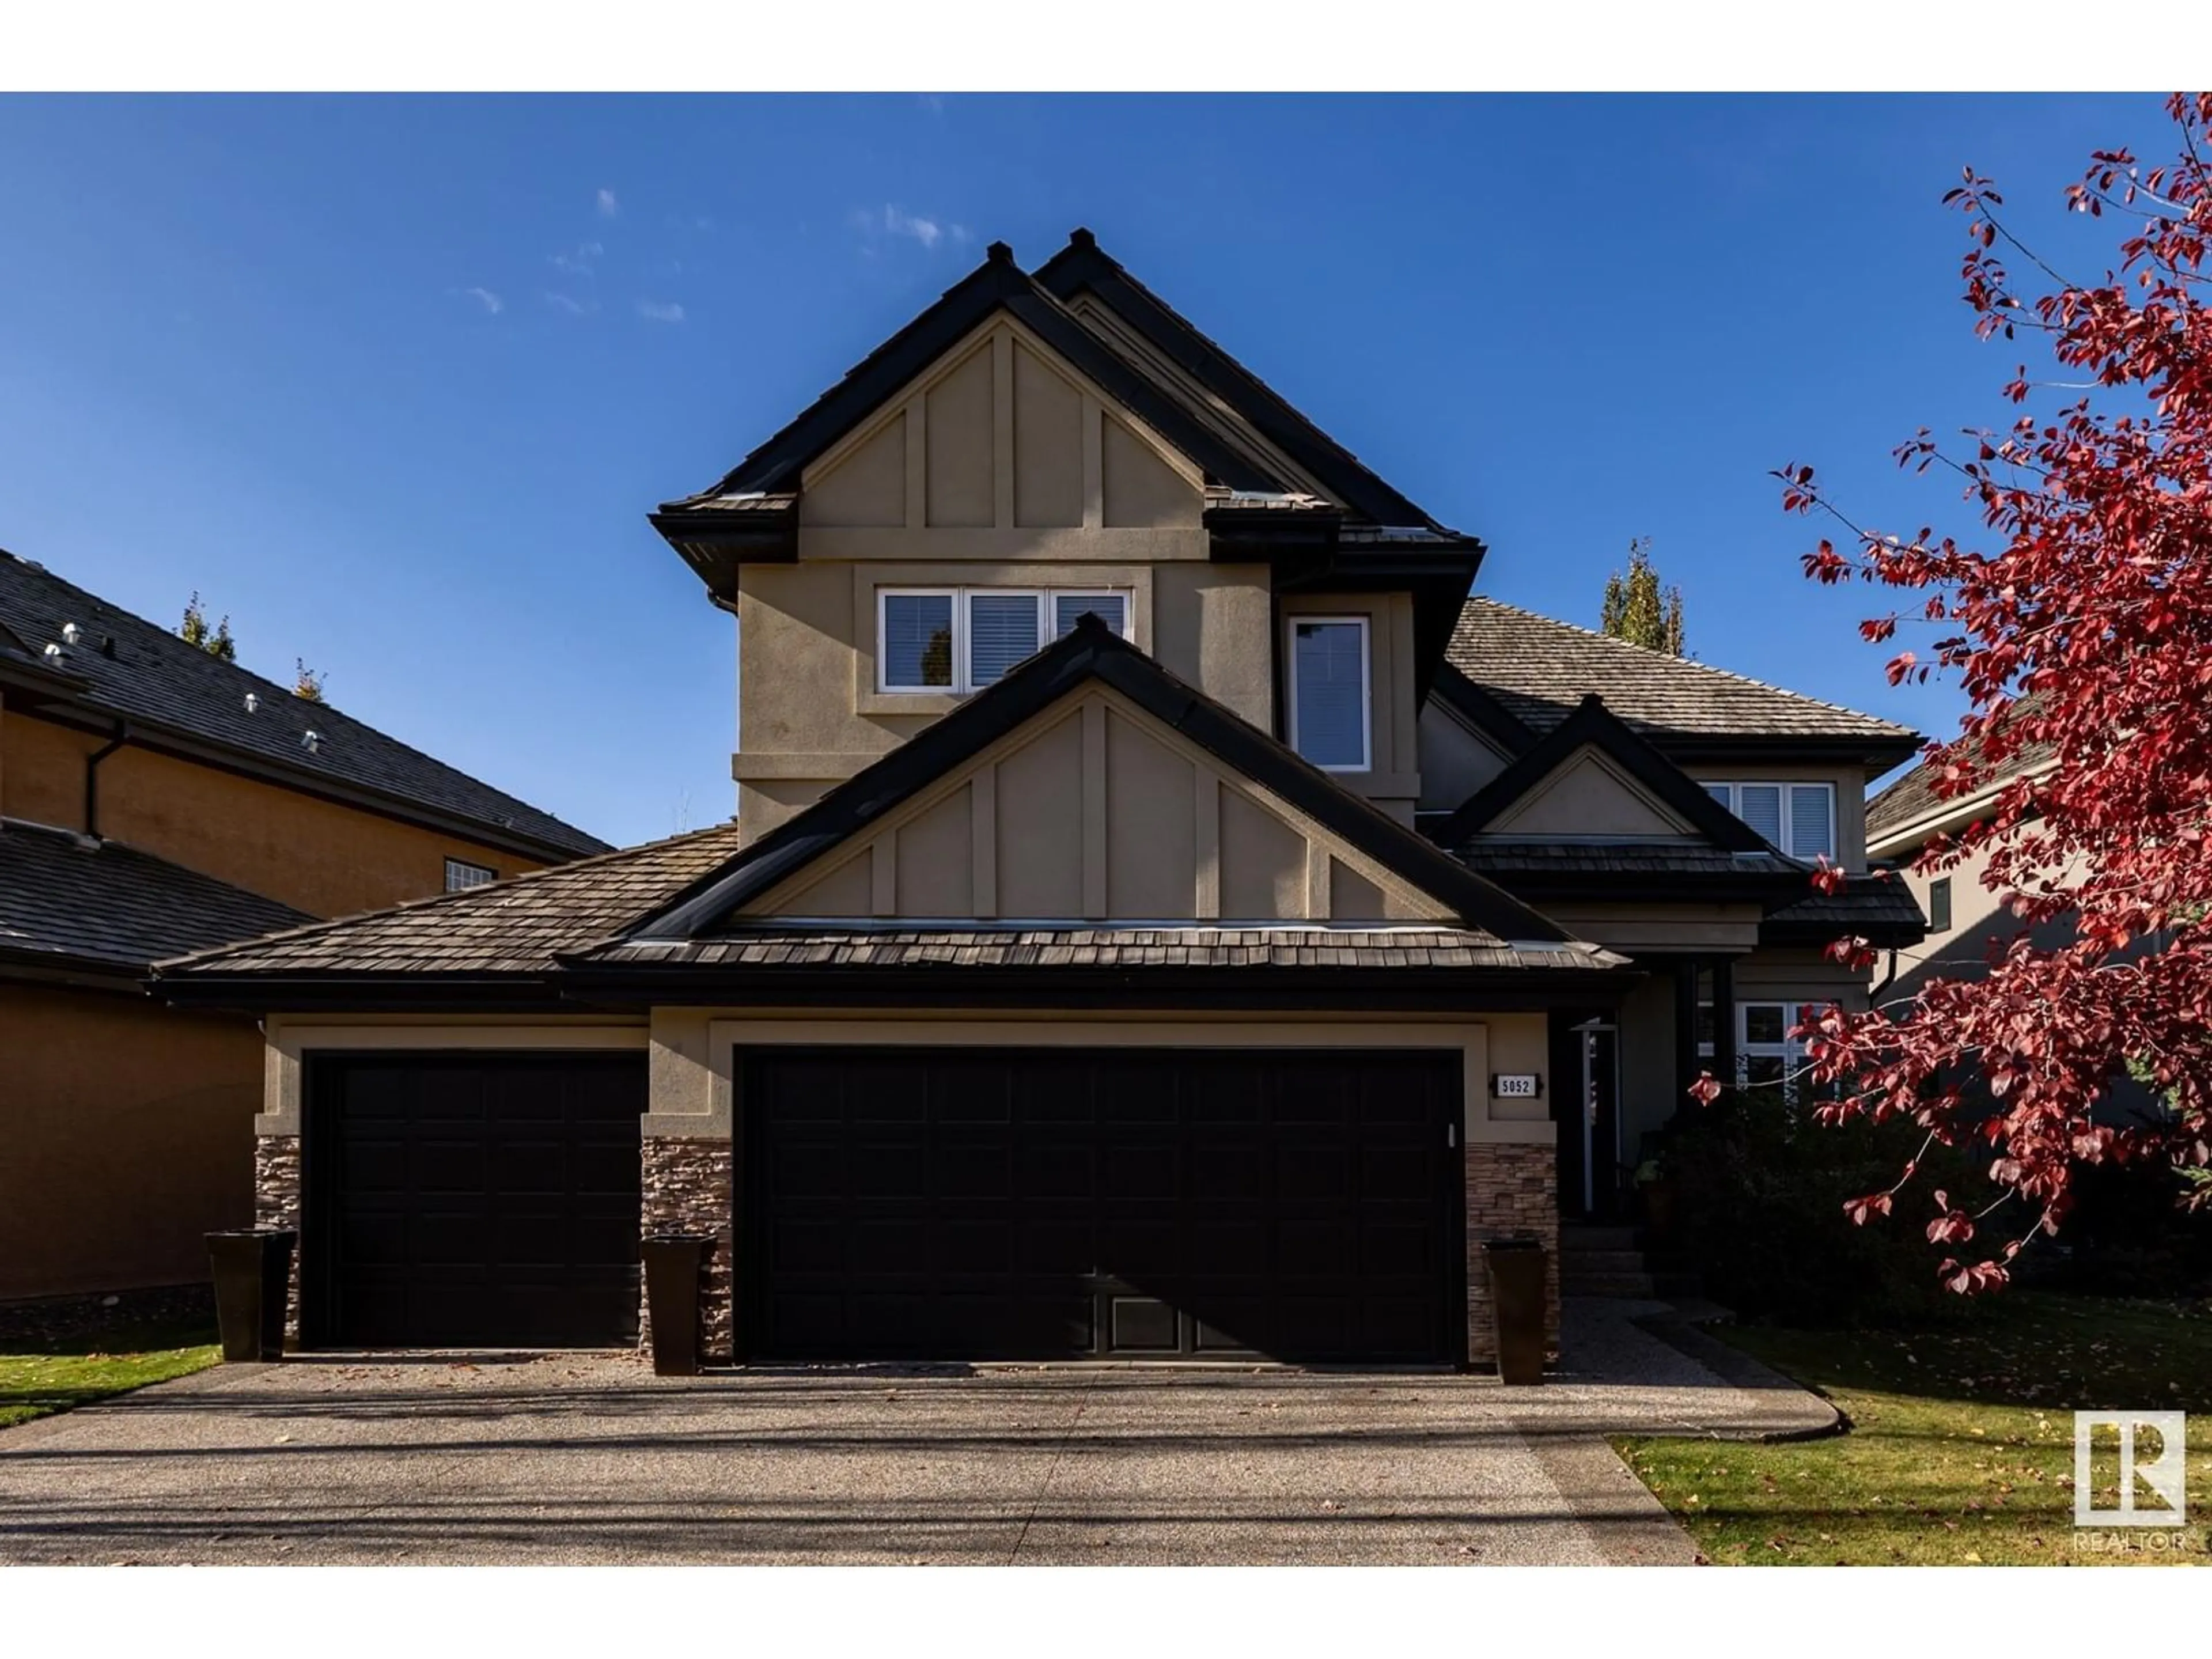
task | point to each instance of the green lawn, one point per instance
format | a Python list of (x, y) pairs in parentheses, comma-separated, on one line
[(42, 1374), (1961, 1446)]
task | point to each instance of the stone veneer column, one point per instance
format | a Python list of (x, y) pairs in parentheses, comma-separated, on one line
[(276, 1204), (1512, 1191), (687, 1190)]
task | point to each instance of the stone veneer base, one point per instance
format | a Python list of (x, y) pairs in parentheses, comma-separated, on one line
[(687, 1190), (276, 1204), (1513, 1191)]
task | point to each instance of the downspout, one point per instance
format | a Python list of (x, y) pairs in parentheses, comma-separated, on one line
[(92, 777)]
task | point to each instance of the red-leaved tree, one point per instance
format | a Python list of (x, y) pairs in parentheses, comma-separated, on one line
[(2083, 627)]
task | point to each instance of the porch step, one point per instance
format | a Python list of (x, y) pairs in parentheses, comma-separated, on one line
[(1611, 1261), (1637, 1284), (1578, 1236)]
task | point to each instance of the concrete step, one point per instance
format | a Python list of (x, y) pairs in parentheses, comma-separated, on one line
[(1602, 1261), (1628, 1285), (1575, 1236)]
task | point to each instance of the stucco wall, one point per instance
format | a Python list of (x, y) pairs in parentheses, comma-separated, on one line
[(315, 855), (126, 1134), (1095, 809)]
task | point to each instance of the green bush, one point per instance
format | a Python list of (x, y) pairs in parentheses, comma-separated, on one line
[(1760, 1195)]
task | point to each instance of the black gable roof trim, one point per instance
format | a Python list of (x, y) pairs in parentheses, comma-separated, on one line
[(1082, 264), (996, 283), (1092, 652), (1482, 711), (1593, 725)]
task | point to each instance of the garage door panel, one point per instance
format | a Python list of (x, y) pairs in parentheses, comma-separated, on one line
[(473, 1200), (1068, 1202)]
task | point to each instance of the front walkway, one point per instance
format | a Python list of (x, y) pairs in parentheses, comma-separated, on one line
[(588, 1458)]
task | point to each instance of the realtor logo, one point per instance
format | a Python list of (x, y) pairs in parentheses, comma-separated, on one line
[(2161, 1474)]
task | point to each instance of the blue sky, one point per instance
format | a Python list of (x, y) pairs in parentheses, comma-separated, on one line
[(394, 382)]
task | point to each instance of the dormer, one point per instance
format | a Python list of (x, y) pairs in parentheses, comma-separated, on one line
[(1033, 448)]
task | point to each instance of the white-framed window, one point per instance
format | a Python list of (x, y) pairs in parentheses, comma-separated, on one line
[(461, 875), (1800, 818), (1767, 1056), (1330, 693), (962, 639)]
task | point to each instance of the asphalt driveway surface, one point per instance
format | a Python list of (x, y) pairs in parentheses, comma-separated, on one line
[(570, 1458)]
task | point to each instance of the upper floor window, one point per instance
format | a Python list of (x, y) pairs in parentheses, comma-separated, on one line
[(1766, 1055), (1329, 692), (1800, 818), (1939, 905), (962, 639), (461, 875)]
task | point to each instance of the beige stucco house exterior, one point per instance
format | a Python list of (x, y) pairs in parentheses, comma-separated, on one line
[(1165, 916)]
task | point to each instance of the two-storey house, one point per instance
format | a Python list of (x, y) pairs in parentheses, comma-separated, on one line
[(153, 800), (1165, 916)]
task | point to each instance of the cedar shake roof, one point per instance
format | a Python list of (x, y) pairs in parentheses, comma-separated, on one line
[(1085, 946), (97, 906), (1913, 796), (1541, 669), (515, 926), (1509, 862), (125, 667), (1879, 907)]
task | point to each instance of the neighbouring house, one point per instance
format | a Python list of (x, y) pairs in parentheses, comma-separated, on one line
[(1165, 914), (155, 800), (1966, 918)]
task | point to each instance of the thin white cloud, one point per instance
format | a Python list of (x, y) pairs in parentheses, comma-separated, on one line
[(570, 303), (579, 262), (608, 206), (893, 221), (491, 302), (660, 311)]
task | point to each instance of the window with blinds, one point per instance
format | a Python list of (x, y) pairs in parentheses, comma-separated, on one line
[(1800, 818), (962, 639), (1329, 692)]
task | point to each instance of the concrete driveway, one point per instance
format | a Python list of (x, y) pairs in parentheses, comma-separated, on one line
[(589, 1458)]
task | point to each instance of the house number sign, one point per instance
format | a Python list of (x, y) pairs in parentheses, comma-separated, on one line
[(1513, 1085)]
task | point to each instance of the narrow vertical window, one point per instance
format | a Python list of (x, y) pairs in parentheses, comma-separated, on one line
[(1939, 905), (1329, 692)]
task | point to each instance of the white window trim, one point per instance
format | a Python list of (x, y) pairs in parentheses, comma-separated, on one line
[(1795, 1056), (1735, 785), (485, 870), (1366, 686), (962, 671)]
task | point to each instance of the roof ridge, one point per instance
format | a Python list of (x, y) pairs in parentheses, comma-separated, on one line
[(503, 885), (1611, 640)]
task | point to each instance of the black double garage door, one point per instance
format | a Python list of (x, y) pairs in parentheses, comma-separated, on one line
[(915, 1204)]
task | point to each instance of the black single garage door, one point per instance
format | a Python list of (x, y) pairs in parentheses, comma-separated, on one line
[(472, 1199), (1050, 1204)]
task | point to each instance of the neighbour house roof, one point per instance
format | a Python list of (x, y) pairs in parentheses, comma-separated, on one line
[(1541, 669), (175, 697), (82, 908), (1912, 798)]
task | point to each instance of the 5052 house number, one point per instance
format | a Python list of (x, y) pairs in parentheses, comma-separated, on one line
[(1514, 1085)]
